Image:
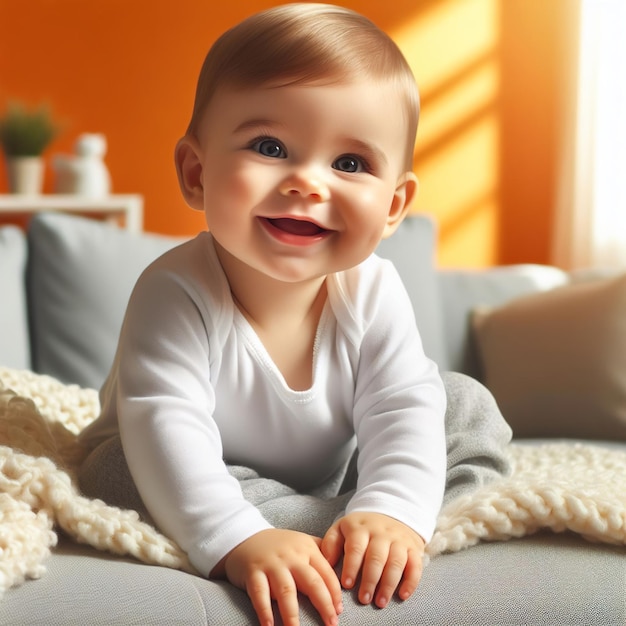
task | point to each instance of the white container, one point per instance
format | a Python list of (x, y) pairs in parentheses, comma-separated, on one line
[(84, 173)]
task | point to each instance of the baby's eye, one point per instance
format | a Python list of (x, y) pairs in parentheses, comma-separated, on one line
[(350, 163), (270, 148)]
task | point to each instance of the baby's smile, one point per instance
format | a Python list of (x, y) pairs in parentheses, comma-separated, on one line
[(294, 231), (303, 228)]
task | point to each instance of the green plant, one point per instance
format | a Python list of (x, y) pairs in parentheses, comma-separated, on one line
[(24, 132)]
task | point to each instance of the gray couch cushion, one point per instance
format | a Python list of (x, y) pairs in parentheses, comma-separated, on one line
[(81, 273), (546, 580), (412, 250), (14, 343)]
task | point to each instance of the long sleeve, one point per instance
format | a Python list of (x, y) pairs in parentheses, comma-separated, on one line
[(164, 400), (399, 409)]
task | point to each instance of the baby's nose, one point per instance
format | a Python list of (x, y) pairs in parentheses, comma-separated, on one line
[(305, 184)]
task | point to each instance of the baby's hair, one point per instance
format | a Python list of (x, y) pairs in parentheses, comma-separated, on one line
[(304, 43)]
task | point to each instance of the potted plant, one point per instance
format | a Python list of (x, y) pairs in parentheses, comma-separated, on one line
[(24, 135)]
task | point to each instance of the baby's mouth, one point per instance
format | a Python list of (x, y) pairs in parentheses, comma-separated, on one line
[(301, 228)]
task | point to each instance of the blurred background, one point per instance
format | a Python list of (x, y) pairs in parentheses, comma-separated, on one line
[(499, 129)]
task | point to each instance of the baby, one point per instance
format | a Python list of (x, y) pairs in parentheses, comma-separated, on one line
[(278, 340)]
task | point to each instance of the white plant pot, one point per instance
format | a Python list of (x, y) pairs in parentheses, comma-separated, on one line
[(25, 175)]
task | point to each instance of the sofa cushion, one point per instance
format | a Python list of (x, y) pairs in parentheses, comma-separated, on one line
[(81, 273), (412, 250), (544, 580), (556, 361), (14, 344)]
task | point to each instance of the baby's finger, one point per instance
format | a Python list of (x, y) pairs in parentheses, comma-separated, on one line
[(284, 591), (355, 547), (412, 575), (392, 575), (311, 583), (331, 581), (374, 564), (258, 590), (332, 545)]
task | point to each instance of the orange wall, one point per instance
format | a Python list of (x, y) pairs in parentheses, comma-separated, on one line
[(491, 74)]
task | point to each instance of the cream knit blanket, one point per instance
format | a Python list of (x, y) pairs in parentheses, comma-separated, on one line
[(580, 488)]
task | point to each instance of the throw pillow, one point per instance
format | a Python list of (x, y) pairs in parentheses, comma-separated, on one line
[(81, 274), (463, 290), (556, 361)]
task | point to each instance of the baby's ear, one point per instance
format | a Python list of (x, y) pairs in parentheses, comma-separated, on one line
[(189, 170), (406, 190)]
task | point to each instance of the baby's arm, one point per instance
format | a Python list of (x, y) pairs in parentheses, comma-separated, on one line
[(398, 417), (387, 553)]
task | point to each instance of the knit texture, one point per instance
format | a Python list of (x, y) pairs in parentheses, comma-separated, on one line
[(39, 454), (560, 486)]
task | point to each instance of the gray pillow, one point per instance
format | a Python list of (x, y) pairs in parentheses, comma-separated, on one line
[(412, 250), (14, 344), (81, 274)]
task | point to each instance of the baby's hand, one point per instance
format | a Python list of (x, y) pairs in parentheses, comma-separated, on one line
[(279, 563), (388, 552)]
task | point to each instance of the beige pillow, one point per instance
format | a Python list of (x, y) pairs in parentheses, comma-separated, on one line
[(556, 361)]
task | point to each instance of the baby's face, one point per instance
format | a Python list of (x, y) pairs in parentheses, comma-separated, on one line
[(300, 181)]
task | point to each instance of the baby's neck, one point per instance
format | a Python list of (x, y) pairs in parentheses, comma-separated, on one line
[(287, 327), (285, 317)]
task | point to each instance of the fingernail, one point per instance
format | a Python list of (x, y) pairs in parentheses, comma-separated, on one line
[(348, 583), (382, 602), (367, 598)]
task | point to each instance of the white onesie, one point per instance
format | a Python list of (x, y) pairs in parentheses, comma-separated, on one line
[(193, 388)]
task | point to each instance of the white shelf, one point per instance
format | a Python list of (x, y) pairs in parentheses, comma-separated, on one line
[(128, 207)]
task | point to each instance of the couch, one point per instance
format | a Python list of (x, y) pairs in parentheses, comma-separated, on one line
[(548, 344)]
